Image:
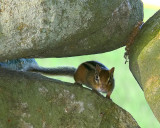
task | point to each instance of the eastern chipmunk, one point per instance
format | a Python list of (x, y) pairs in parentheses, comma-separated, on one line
[(91, 73)]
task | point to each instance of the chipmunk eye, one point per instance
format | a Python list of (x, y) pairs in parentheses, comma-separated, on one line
[(96, 78)]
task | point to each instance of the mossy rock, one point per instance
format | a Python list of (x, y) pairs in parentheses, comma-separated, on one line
[(55, 28), (30, 100), (145, 62)]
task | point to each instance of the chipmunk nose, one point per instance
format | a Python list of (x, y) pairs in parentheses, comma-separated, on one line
[(102, 86)]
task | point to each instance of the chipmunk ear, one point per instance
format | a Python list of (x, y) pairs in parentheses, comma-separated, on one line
[(98, 68), (111, 71)]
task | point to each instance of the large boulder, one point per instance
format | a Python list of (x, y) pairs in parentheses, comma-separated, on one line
[(29, 100), (59, 28), (145, 62)]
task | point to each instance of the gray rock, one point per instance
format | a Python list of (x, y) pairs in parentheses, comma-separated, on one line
[(29, 100), (58, 28), (145, 62)]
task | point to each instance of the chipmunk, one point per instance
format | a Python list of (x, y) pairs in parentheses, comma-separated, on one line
[(93, 74)]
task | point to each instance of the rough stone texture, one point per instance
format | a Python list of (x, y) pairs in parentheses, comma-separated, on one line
[(29, 100), (145, 62), (58, 28)]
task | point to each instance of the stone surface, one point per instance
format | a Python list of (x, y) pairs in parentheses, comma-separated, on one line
[(29, 100), (59, 28), (145, 62)]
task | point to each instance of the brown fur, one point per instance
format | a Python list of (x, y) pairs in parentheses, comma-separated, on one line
[(91, 73), (86, 75)]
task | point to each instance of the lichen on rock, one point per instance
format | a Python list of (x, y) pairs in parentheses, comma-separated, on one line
[(145, 62), (33, 100), (45, 28)]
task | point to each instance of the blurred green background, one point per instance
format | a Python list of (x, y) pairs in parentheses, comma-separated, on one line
[(127, 92)]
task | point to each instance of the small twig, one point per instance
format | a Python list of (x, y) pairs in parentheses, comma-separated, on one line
[(131, 39)]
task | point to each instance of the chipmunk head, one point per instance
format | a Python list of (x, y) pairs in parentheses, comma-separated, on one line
[(104, 79)]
